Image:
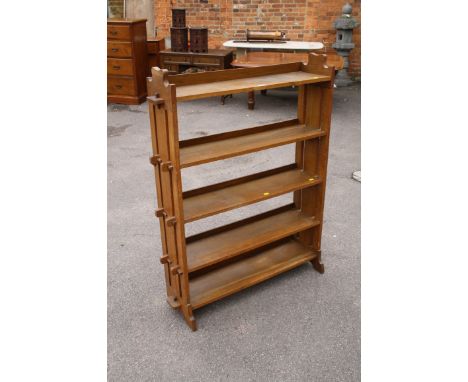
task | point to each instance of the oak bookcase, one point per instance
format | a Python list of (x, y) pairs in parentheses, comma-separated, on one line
[(211, 265)]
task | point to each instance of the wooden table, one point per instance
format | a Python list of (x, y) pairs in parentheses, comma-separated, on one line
[(258, 59), (292, 46)]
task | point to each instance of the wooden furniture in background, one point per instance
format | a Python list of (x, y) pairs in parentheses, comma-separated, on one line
[(178, 17), (198, 40), (211, 265), (258, 59), (177, 62), (264, 36), (286, 46), (179, 31), (127, 61), (179, 39), (154, 45)]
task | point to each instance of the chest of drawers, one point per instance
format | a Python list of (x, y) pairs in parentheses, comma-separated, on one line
[(127, 61)]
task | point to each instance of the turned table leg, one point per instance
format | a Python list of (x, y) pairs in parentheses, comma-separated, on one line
[(251, 100), (223, 98)]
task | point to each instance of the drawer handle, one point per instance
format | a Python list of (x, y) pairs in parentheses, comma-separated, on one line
[(115, 49), (113, 33), (115, 67), (118, 86)]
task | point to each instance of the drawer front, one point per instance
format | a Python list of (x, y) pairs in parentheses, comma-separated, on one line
[(121, 86), (152, 47), (175, 59), (153, 61), (206, 60), (119, 32), (119, 49), (120, 66), (173, 69)]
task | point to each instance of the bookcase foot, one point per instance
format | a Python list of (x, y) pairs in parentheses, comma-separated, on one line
[(189, 318), (172, 301), (317, 263)]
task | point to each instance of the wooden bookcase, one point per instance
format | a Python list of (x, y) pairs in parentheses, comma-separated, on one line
[(209, 266)]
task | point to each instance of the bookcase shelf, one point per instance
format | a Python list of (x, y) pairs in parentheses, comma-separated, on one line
[(228, 85), (211, 200), (206, 267), (248, 271), (223, 243), (221, 146)]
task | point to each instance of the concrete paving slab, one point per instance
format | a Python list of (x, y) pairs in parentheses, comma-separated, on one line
[(300, 326)]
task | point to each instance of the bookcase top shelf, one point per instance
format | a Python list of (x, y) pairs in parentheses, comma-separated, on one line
[(234, 86), (224, 82)]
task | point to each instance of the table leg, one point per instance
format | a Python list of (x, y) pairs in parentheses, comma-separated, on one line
[(264, 92), (223, 98), (241, 52), (251, 100)]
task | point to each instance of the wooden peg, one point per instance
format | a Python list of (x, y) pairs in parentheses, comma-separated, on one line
[(160, 213), (155, 100), (176, 270), (155, 160), (164, 259), (171, 221), (167, 166)]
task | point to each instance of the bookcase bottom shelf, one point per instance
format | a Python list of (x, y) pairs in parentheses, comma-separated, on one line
[(248, 271)]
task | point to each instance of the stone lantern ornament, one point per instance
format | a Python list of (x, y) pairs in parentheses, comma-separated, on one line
[(344, 43)]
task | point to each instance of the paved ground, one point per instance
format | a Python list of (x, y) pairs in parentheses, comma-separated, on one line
[(300, 326)]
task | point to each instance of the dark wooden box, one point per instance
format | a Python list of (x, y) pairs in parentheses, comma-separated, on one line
[(199, 40), (179, 39), (178, 18)]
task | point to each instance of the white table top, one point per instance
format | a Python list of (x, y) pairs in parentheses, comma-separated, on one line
[(292, 45)]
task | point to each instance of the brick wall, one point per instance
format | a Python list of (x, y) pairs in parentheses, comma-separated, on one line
[(303, 20)]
